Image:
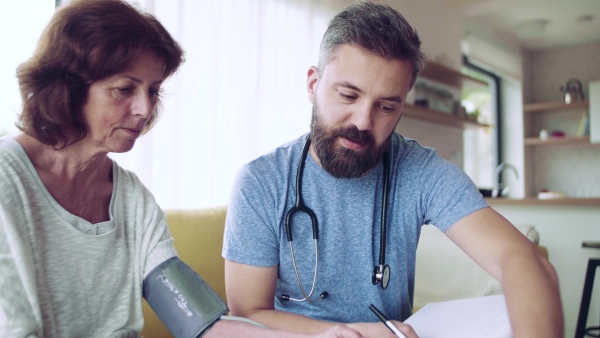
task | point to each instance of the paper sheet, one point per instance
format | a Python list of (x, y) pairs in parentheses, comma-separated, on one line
[(481, 317)]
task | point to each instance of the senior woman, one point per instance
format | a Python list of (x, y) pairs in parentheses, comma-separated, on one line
[(79, 235)]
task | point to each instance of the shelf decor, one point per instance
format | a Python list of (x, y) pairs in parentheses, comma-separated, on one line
[(447, 76)]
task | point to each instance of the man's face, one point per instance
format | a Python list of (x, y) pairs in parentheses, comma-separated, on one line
[(357, 102)]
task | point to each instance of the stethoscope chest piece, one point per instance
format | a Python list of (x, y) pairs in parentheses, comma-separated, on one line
[(381, 274)]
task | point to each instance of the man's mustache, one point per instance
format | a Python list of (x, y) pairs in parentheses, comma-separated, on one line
[(352, 133)]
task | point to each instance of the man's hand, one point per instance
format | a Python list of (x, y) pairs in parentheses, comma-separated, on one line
[(379, 330)]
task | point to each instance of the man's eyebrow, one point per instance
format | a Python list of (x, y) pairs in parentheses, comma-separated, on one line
[(348, 85)]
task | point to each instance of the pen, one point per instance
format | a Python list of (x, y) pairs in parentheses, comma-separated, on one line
[(386, 321)]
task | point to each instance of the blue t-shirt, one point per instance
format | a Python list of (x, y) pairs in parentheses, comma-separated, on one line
[(424, 189)]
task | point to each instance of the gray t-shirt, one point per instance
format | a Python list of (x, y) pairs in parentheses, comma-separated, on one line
[(424, 189), (61, 276)]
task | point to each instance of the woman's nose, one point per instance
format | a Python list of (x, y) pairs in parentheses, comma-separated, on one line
[(143, 106)]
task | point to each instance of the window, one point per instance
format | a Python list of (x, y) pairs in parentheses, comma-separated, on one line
[(481, 145)]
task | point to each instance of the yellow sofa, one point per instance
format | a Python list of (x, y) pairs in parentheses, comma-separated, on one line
[(198, 238)]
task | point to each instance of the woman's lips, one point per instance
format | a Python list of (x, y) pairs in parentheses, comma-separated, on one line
[(132, 132)]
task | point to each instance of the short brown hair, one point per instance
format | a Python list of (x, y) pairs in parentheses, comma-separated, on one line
[(84, 42), (376, 28)]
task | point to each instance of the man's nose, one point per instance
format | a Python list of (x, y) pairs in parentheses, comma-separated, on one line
[(362, 117)]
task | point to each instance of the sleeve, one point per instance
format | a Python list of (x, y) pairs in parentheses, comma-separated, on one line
[(448, 193), (138, 203), (159, 243), (19, 307), (250, 228)]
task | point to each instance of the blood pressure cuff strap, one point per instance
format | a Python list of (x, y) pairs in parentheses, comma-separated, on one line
[(182, 299)]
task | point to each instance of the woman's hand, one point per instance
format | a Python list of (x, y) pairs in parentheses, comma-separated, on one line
[(379, 330), (340, 331)]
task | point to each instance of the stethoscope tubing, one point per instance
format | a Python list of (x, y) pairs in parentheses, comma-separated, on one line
[(383, 234), (301, 207), (312, 289), (378, 274)]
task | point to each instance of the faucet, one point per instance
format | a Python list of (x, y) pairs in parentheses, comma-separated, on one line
[(500, 190)]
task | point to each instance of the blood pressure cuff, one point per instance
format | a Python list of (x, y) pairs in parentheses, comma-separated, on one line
[(182, 299)]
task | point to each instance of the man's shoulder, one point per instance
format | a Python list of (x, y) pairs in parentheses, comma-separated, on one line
[(284, 153), (409, 149)]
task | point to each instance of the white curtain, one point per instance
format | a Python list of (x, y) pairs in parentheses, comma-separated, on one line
[(241, 93), (21, 23)]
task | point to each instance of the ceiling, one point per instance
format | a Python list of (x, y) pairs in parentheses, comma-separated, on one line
[(535, 24)]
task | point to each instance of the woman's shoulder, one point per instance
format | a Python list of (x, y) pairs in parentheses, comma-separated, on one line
[(9, 147), (13, 159)]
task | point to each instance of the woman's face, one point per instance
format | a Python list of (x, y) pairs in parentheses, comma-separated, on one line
[(119, 106)]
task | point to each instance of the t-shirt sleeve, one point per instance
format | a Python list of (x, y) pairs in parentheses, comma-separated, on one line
[(156, 240), (448, 193), (250, 229), (160, 244)]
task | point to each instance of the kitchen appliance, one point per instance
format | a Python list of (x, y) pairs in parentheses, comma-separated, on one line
[(572, 91)]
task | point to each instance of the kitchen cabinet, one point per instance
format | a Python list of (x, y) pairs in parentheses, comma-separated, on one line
[(449, 77)]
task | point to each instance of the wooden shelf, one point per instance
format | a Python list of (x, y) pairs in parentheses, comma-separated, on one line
[(439, 117), (535, 141), (437, 72), (554, 106)]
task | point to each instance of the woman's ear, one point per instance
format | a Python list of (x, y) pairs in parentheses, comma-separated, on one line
[(311, 83)]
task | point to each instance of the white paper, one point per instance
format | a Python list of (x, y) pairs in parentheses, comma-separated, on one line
[(480, 317)]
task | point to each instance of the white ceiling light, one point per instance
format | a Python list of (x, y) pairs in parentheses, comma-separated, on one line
[(534, 29)]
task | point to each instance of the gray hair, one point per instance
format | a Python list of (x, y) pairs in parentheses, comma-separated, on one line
[(376, 28)]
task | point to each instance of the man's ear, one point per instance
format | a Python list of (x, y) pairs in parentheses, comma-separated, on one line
[(311, 83)]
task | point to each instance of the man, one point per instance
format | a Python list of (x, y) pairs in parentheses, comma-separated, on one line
[(369, 60)]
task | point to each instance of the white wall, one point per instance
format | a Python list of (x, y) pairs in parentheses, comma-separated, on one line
[(440, 29), (500, 52), (512, 136)]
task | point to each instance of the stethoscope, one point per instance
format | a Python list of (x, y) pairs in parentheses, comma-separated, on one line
[(381, 273)]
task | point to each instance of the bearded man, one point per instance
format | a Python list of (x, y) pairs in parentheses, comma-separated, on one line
[(329, 223)]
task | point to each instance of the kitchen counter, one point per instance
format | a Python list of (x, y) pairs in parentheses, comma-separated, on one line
[(592, 201)]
